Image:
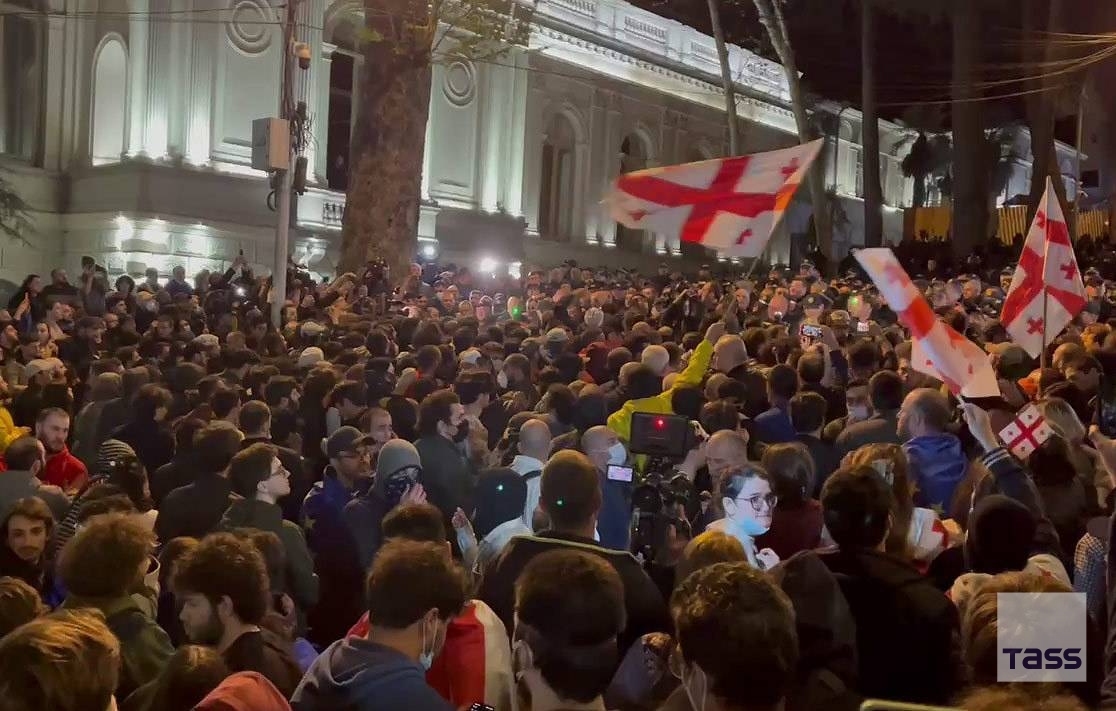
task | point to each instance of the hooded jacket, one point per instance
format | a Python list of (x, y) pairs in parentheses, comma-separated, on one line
[(356, 674), (244, 691), (937, 466)]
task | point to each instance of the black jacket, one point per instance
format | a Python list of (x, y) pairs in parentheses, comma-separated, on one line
[(898, 610), (150, 440), (825, 459), (299, 479), (194, 510), (646, 610), (179, 471)]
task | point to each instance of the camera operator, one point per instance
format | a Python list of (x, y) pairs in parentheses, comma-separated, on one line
[(603, 447)]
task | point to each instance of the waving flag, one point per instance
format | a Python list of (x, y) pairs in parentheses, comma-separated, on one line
[(1047, 274), (937, 348), (729, 204), (1026, 432)]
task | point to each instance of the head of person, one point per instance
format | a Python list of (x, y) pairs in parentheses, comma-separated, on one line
[(349, 398), (1085, 373), (603, 447), (222, 585), (724, 450), (19, 604), (151, 403), (413, 590), (416, 522), (807, 413), (474, 389), (858, 402), (924, 412), (398, 468), (215, 445), (68, 661), (349, 454), (657, 359), (890, 462), (999, 535), (534, 439), (441, 414), (569, 611), (188, 677), (500, 496), (706, 549), (782, 383), (516, 371), (736, 636), (380, 426), (792, 471), (26, 454), (255, 472), (728, 353), (52, 427), (747, 498), (27, 529), (856, 507), (254, 419), (107, 557), (885, 391), (571, 492)]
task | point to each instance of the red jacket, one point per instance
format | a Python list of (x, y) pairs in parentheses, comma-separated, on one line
[(64, 470)]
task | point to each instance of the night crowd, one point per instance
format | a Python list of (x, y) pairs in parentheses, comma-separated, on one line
[(426, 497)]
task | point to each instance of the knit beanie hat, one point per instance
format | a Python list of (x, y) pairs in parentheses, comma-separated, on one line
[(395, 455), (111, 451), (1000, 537)]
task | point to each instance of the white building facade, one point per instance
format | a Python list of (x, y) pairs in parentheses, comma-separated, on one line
[(126, 126)]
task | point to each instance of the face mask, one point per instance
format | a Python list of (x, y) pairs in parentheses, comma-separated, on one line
[(858, 413), (462, 431), (426, 657), (752, 527), (689, 683), (502, 379), (617, 454)]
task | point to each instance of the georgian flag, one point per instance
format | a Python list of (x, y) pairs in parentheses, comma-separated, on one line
[(938, 349), (1026, 432), (1047, 273), (729, 204)]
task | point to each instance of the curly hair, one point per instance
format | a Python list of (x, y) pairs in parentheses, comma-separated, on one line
[(225, 565), (103, 559)]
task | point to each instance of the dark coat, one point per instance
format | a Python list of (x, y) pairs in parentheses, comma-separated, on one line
[(896, 607), (151, 441), (879, 429), (646, 610), (299, 579), (447, 476), (825, 459), (195, 509)]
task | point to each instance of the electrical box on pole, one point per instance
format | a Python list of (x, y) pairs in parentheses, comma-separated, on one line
[(271, 144)]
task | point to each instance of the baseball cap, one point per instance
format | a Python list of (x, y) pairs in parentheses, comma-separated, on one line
[(470, 356), (310, 357), (345, 439)]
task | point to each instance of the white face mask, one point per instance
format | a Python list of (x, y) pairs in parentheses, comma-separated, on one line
[(617, 454), (426, 656), (689, 683), (502, 379), (858, 413)]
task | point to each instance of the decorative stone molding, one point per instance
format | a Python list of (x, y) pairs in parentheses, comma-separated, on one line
[(249, 28), (459, 82)]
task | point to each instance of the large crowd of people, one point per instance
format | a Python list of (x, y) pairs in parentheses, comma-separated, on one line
[(433, 496)]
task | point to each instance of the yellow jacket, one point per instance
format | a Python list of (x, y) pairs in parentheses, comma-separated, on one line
[(620, 421), (8, 431)]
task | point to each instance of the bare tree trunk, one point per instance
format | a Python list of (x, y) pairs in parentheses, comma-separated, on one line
[(385, 179), (771, 16), (726, 77), (970, 198), (870, 129)]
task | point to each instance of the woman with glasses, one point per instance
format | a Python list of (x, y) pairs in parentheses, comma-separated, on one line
[(748, 503)]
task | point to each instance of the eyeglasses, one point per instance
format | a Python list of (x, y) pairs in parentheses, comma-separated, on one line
[(755, 501)]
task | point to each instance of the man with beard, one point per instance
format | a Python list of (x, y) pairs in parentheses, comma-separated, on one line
[(26, 530), (223, 587), (26, 458), (62, 469), (447, 475)]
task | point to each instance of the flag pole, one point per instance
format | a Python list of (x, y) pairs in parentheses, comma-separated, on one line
[(1042, 355)]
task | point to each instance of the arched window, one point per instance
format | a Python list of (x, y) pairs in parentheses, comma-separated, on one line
[(110, 102), (556, 189), (633, 156)]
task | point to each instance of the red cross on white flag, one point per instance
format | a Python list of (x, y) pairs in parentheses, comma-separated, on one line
[(1046, 266), (938, 349), (729, 204), (1026, 432)]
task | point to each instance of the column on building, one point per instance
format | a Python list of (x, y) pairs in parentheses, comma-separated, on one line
[(197, 112), (160, 33), (534, 134), (137, 74), (609, 160)]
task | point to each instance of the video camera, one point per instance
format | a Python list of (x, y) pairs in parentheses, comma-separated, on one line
[(662, 498)]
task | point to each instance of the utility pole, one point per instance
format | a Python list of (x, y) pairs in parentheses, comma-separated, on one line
[(285, 177)]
